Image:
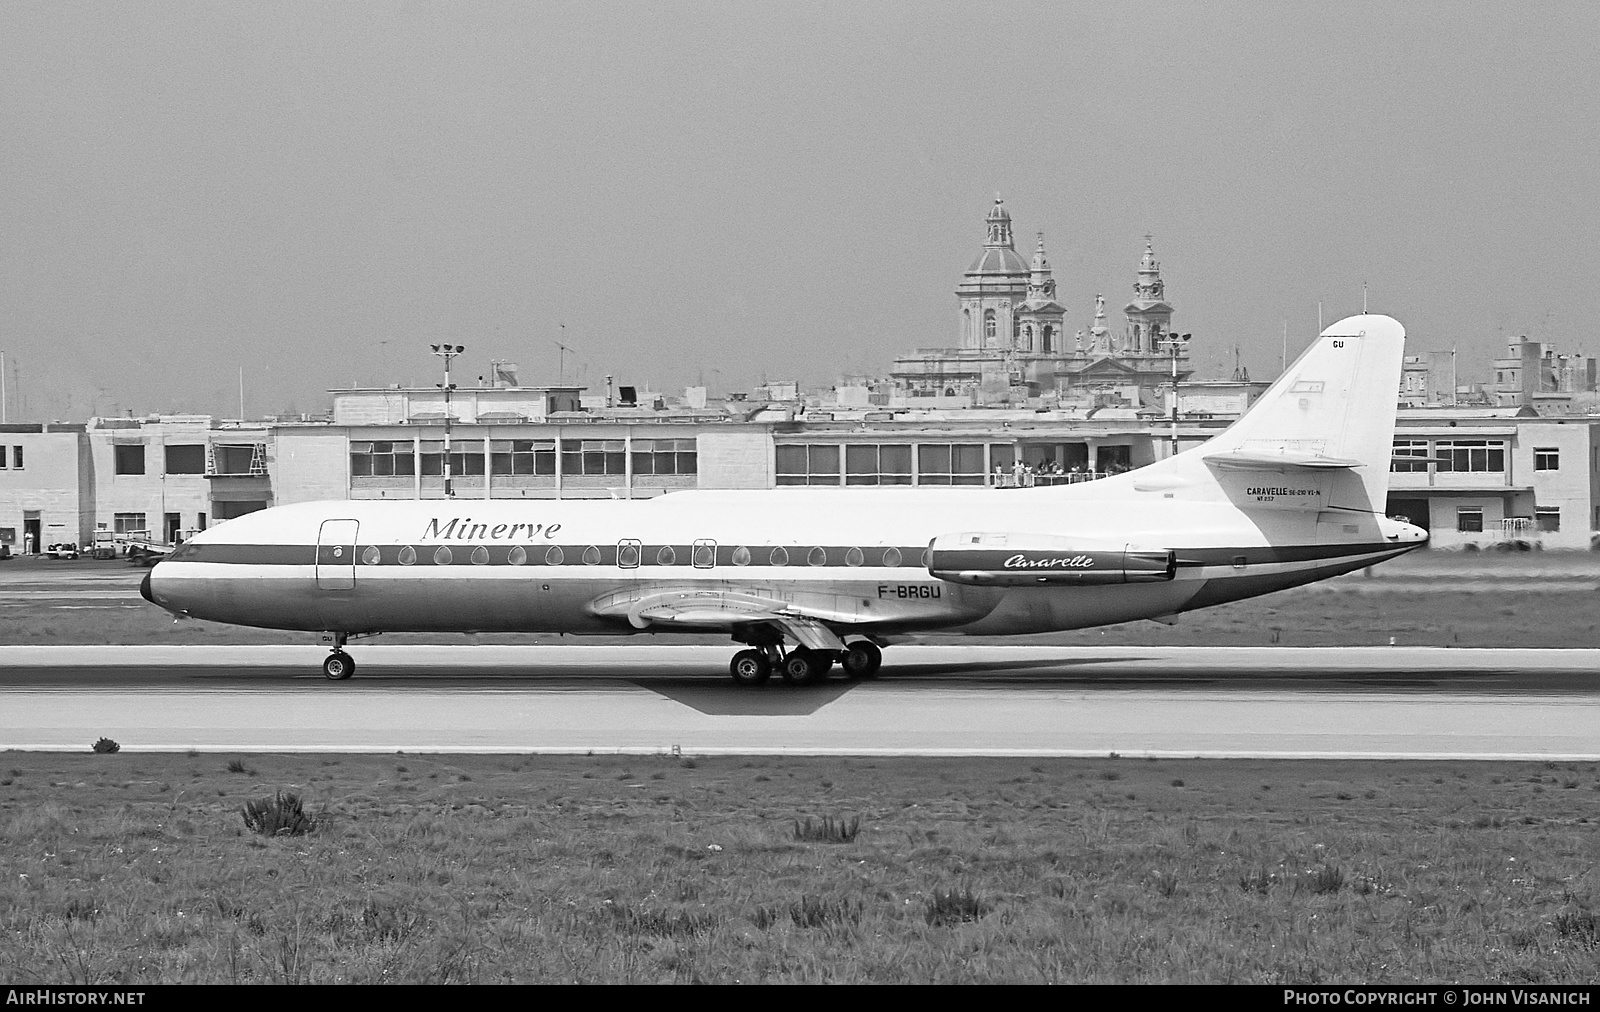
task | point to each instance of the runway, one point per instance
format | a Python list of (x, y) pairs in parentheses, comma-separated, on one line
[(931, 700)]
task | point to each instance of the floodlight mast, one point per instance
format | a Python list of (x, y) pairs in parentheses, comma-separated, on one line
[(1176, 344), (447, 352)]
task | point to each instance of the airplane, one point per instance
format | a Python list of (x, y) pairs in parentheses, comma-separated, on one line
[(803, 578)]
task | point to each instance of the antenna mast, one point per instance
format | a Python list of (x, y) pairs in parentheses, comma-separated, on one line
[(561, 359)]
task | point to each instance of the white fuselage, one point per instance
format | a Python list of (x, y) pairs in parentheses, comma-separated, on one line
[(854, 558)]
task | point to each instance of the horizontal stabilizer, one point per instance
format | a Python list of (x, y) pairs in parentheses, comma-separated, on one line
[(1279, 460)]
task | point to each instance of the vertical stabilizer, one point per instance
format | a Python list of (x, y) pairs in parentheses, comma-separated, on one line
[(1332, 410), (1327, 423)]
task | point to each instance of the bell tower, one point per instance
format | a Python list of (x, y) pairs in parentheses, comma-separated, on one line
[(1040, 315), (1149, 314)]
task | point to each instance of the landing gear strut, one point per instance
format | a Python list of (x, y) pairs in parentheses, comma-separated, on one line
[(338, 666)]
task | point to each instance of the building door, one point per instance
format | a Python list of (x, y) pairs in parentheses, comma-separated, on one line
[(336, 555), (32, 527), (174, 528)]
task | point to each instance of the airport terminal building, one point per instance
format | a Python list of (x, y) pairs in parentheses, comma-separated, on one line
[(1475, 477)]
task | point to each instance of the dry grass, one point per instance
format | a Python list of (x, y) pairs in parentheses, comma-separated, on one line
[(137, 869)]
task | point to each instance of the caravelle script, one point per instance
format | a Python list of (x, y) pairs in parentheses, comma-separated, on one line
[(1057, 562)]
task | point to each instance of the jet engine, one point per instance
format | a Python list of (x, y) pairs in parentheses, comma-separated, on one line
[(1022, 560)]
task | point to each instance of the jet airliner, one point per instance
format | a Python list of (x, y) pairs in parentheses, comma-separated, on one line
[(804, 579)]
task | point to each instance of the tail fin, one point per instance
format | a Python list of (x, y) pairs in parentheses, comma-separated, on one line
[(1329, 419)]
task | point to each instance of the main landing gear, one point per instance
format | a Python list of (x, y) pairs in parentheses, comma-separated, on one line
[(802, 665)]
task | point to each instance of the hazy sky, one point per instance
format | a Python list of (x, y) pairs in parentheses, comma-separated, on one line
[(314, 192)]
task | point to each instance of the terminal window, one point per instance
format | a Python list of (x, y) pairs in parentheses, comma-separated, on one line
[(951, 465), (1469, 521), (1549, 518), (1546, 458), (16, 457), (1478, 455), (807, 463), (129, 458), (128, 523), (593, 456), (236, 458), (877, 464), (381, 458), (186, 459), (461, 462), (523, 456), (665, 456), (1409, 455)]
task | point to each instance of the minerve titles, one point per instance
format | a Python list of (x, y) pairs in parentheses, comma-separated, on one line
[(463, 529)]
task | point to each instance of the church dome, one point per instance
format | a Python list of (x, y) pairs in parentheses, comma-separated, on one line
[(998, 260)]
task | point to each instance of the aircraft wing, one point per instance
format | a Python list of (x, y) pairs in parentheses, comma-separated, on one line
[(804, 617)]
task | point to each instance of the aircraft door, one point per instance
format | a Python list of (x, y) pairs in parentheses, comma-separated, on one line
[(336, 555)]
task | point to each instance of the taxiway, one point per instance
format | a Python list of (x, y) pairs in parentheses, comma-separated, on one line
[(932, 700)]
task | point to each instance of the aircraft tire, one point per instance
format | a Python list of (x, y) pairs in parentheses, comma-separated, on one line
[(750, 667), (803, 667), (338, 666), (862, 659)]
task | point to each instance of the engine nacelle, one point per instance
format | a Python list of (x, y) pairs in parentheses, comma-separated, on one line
[(1026, 560)]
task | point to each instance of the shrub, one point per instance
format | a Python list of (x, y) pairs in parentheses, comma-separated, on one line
[(829, 830), (235, 765), (1580, 927), (280, 815), (106, 746), (952, 906), (1164, 882), (1327, 878)]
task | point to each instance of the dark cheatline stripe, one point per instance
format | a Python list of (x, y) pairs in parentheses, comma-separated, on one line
[(537, 555)]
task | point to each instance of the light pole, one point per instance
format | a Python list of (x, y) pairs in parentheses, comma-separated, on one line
[(447, 352), (1176, 344)]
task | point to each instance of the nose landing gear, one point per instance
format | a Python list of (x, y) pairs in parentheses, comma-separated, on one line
[(338, 666)]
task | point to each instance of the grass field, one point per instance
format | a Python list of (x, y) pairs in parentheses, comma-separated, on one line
[(139, 869), (134, 869)]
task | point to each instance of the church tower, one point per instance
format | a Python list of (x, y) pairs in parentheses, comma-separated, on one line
[(1040, 316), (992, 287), (1149, 314)]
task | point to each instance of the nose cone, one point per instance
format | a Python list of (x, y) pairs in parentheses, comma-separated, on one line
[(144, 589)]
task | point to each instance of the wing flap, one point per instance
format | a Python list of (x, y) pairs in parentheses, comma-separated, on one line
[(723, 608)]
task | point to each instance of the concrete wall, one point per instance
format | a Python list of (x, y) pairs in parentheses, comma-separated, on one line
[(736, 460), (155, 493), (311, 463), (1570, 488), (50, 481)]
